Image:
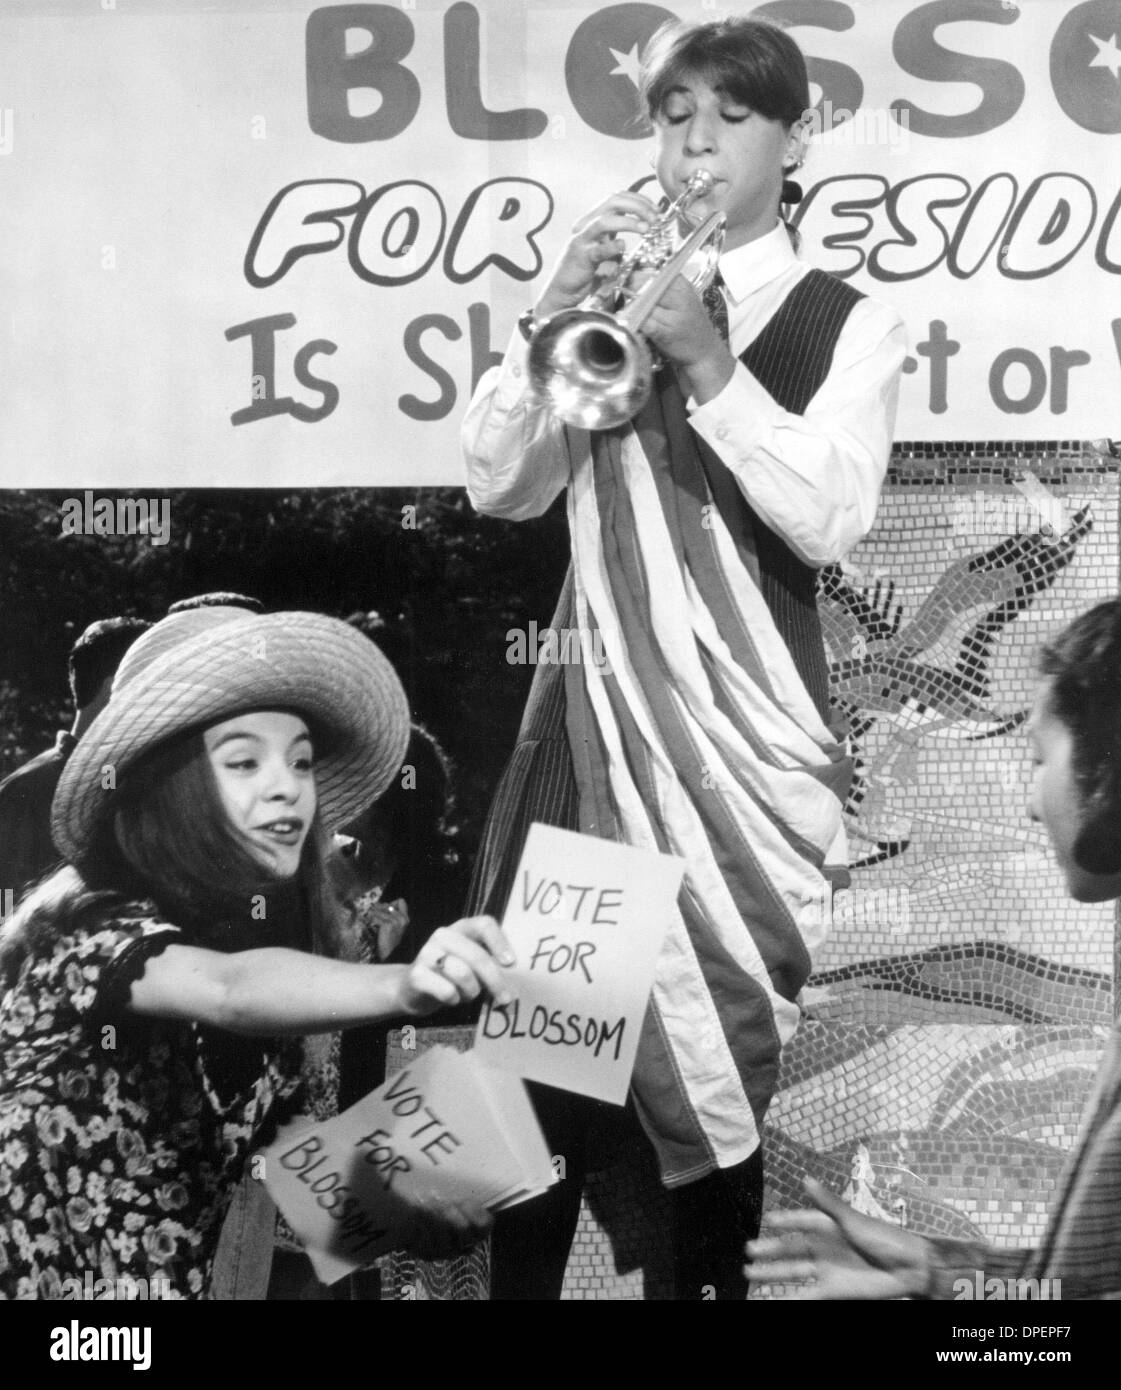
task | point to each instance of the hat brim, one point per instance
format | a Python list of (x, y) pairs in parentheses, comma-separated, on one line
[(317, 666)]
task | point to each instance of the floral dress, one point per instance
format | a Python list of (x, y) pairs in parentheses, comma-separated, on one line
[(121, 1138)]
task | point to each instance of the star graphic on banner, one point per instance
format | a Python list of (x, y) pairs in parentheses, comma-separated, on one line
[(1108, 54), (626, 64)]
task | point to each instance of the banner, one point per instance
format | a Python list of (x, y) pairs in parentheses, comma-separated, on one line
[(276, 245)]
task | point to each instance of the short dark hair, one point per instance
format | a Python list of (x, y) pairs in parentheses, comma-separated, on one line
[(1084, 663), (95, 656), (218, 599), (754, 61)]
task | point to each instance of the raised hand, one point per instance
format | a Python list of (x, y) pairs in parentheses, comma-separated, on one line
[(594, 250), (679, 326)]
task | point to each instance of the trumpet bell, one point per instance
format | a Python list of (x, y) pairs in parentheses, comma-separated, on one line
[(590, 368), (594, 369)]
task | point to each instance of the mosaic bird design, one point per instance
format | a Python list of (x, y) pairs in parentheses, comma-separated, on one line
[(929, 676)]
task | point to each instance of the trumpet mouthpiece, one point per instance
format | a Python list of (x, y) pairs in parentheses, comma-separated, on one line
[(700, 183)]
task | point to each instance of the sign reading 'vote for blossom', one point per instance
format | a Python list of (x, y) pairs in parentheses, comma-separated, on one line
[(586, 918)]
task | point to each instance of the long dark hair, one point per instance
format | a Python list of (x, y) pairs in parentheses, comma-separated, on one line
[(169, 841), (1084, 662)]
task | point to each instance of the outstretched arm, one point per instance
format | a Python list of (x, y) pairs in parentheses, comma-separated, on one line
[(275, 991), (836, 1253)]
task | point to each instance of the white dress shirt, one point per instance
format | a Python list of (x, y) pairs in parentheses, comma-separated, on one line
[(814, 479)]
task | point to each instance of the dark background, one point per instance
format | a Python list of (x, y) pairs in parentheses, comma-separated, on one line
[(437, 595)]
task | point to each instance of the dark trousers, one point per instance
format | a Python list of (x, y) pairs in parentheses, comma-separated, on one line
[(711, 1218)]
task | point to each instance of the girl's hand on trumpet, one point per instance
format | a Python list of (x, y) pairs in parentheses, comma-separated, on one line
[(680, 328), (594, 250)]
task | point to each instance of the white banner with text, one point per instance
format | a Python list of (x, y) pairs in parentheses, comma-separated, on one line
[(275, 244)]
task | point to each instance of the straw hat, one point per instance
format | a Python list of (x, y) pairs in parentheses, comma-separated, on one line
[(196, 667)]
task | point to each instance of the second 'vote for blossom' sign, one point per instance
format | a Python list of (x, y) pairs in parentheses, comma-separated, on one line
[(444, 1129), (586, 918)]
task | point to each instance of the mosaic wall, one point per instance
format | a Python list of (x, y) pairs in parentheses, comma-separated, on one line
[(958, 1010), (933, 628), (957, 1013)]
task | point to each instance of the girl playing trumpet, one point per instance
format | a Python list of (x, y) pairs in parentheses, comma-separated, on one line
[(696, 533)]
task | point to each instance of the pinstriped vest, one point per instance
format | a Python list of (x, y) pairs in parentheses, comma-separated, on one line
[(790, 359)]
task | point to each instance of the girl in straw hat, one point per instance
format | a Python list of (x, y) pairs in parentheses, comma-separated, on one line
[(155, 987)]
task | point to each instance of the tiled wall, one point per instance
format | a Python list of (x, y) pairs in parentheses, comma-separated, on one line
[(957, 1013)]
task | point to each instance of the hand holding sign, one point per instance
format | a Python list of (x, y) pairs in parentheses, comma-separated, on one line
[(415, 1165), (586, 918), (456, 965), (441, 1230)]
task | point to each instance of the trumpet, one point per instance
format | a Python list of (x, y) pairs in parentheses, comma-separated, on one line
[(592, 366)]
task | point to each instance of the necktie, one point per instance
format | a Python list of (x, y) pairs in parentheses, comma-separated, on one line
[(716, 305)]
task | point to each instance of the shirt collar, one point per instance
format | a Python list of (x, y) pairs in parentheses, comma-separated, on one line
[(750, 267)]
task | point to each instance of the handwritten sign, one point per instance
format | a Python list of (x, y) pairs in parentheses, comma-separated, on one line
[(442, 1130), (586, 918)]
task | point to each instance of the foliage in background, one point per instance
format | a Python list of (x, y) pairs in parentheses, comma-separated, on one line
[(436, 585)]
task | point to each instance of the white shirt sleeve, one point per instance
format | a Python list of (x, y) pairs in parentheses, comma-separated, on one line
[(517, 453), (815, 478)]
